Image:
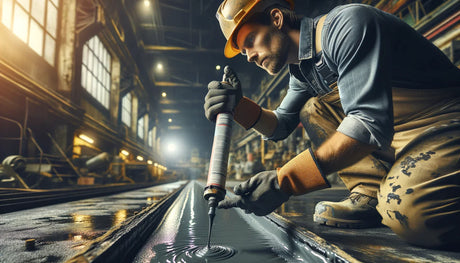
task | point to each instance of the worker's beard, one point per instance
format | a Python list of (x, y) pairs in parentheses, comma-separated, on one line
[(279, 44)]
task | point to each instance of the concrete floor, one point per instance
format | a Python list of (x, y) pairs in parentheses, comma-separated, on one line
[(378, 244), (62, 230)]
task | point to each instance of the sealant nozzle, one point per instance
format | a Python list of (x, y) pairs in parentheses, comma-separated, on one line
[(212, 203)]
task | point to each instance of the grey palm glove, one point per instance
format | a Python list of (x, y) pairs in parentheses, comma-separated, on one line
[(222, 96), (260, 194)]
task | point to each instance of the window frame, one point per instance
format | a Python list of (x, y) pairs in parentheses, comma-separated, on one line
[(96, 78), (33, 21)]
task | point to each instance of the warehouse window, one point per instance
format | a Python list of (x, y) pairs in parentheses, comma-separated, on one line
[(35, 23), (95, 70), (126, 108), (141, 126), (150, 139)]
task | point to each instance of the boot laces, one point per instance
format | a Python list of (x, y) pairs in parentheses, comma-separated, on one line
[(354, 197)]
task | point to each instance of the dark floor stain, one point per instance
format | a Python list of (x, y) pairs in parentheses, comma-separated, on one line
[(396, 187), (391, 196), (409, 162), (409, 191)]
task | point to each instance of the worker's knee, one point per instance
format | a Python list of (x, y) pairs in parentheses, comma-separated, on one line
[(423, 223)]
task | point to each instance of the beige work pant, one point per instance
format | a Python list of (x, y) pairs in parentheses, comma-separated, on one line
[(419, 190)]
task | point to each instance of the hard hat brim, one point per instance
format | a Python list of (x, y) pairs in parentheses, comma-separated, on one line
[(230, 51)]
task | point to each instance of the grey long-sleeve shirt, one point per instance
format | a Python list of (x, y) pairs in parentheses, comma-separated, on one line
[(371, 51)]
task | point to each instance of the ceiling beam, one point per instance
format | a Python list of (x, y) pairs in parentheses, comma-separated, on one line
[(175, 84), (176, 29), (175, 8), (155, 48)]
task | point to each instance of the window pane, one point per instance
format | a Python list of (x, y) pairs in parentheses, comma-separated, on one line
[(36, 37), (24, 3), (90, 84), (7, 12), (55, 2), (83, 76), (85, 55), (50, 49), (140, 127), (90, 61), (21, 23), (109, 83), (150, 139), (38, 11), (99, 77), (90, 43), (51, 21), (100, 52), (88, 79), (126, 110)]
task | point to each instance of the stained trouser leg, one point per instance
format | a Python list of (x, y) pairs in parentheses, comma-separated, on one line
[(320, 117), (420, 197)]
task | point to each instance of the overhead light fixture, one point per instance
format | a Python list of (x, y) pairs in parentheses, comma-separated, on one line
[(169, 120), (146, 3), (86, 138), (172, 147), (160, 67), (163, 94), (125, 152), (217, 67), (149, 161), (140, 158), (155, 164)]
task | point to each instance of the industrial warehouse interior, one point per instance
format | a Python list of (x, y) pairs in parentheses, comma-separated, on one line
[(107, 155)]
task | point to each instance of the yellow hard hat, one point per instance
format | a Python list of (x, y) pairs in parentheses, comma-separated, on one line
[(232, 12)]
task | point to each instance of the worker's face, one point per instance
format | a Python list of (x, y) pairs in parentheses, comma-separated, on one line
[(265, 45)]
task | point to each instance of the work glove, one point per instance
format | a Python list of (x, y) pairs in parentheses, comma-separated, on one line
[(227, 97), (261, 194), (223, 96), (265, 191)]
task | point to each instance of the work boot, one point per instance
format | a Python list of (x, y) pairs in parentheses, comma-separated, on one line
[(356, 211)]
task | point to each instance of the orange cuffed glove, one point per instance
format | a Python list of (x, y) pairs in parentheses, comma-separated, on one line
[(302, 175)]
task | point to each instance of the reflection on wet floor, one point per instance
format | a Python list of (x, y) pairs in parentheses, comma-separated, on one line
[(63, 229), (237, 237)]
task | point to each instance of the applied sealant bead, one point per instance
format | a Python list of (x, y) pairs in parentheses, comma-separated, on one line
[(30, 244)]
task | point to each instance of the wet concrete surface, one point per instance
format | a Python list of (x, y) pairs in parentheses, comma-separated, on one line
[(236, 236), (61, 230), (378, 244)]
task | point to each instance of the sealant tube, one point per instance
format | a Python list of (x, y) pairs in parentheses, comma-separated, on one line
[(217, 174)]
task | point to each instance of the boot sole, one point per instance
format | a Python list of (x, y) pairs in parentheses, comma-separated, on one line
[(344, 223)]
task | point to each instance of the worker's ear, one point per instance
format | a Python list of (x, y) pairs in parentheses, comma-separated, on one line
[(277, 18)]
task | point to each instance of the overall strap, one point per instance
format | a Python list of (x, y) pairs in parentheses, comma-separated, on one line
[(328, 77)]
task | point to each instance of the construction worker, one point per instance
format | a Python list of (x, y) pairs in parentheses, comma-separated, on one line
[(380, 103)]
